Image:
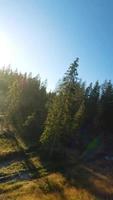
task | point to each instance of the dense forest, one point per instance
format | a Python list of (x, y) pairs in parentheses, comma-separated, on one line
[(75, 117)]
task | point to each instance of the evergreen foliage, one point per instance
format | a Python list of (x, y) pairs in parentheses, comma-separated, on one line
[(65, 114), (68, 118)]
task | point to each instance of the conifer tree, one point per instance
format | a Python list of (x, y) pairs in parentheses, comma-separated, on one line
[(65, 111)]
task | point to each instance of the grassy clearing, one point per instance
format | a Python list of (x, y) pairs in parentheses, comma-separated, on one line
[(76, 183)]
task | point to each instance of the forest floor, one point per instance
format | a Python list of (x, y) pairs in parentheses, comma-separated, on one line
[(25, 176)]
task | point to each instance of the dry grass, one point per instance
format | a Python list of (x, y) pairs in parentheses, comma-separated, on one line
[(78, 184), (7, 145), (52, 187), (14, 167), (37, 163)]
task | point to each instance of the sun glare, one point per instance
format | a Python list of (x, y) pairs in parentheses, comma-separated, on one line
[(6, 53)]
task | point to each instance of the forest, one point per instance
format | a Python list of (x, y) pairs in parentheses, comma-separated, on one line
[(69, 126), (68, 118)]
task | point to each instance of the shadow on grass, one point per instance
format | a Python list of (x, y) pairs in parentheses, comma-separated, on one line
[(23, 175), (76, 174), (80, 177)]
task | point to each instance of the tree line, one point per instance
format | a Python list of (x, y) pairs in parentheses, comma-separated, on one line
[(66, 119)]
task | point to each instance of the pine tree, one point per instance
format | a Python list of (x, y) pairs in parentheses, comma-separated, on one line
[(60, 126)]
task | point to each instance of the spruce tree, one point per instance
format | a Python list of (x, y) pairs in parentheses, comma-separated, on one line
[(64, 112)]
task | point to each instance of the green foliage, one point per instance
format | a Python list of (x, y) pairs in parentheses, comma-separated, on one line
[(92, 107), (23, 103), (107, 106), (26, 102), (64, 115), (68, 118)]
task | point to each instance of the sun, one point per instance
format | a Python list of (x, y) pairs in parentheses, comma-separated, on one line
[(6, 53)]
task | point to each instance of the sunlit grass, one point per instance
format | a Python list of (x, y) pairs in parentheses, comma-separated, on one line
[(7, 145), (76, 184), (14, 167), (52, 187), (40, 168)]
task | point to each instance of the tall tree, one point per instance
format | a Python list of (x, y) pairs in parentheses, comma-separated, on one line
[(60, 126), (107, 106)]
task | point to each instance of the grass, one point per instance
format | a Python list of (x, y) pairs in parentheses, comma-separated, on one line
[(76, 183), (7, 145), (52, 187), (14, 167), (39, 166)]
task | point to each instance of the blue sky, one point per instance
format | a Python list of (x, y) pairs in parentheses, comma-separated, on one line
[(45, 36)]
